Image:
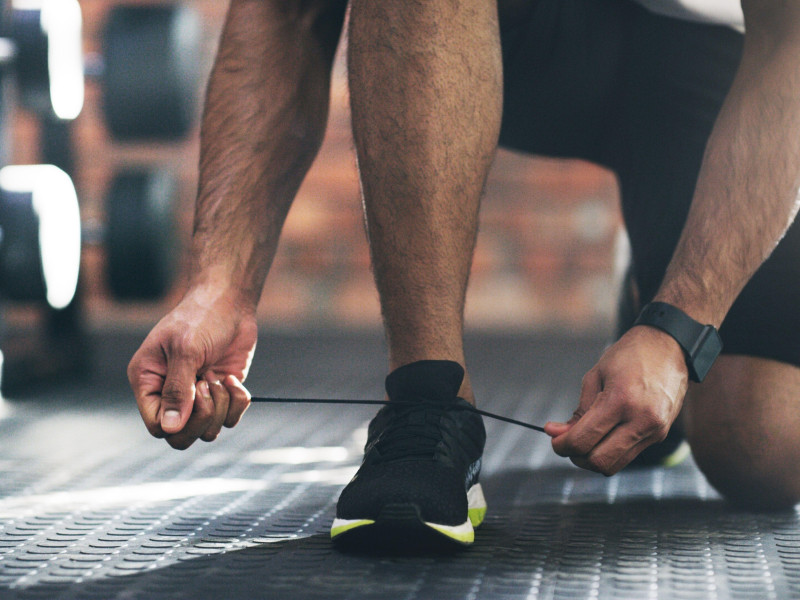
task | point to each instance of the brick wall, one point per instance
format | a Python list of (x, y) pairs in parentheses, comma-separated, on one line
[(544, 257)]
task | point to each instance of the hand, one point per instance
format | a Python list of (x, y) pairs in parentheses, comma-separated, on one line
[(187, 375), (628, 402)]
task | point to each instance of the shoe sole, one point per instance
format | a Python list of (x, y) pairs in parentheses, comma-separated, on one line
[(403, 524), (672, 459)]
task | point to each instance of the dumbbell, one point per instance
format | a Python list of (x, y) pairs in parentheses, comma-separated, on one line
[(41, 232), (43, 41), (148, 72), (40, 235), (141, 240), (148, 69)]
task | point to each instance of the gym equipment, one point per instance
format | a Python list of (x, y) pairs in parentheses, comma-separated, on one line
[(150, 72), (149, 85), (40, 235), (149, 80), (140, 237), (48, 55)]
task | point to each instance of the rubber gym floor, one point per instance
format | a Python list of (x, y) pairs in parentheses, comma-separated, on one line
[(92, 507)]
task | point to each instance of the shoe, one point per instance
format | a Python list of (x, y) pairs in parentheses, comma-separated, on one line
[(418, 483), (669, 453)]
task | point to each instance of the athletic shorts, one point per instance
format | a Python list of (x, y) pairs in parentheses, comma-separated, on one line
[(612, 83)]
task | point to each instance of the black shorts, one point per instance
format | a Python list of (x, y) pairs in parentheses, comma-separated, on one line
[(610, 82)]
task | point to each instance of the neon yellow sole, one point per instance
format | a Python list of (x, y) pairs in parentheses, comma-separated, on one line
[(463, 533)]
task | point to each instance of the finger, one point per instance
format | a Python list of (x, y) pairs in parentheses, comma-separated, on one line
[(554, 429), (589, 430), (150, 411), (146, 383), (178, 394), (199, 421), (240, 400), (591, 385), (221, 399), (615, 451), (628, 457)]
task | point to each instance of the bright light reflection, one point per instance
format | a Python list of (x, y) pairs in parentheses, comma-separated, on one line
[(125, 495), (56, 205), (338, 476), (62, 23), (299, 455)]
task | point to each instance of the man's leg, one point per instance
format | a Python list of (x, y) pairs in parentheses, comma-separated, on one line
[(426, 94), (743, 424)]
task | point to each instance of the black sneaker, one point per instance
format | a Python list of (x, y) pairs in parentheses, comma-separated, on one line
[(669, 453), (419, 477)]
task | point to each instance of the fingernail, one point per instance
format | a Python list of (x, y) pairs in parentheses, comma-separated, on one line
[(205, 392), (171, 419)]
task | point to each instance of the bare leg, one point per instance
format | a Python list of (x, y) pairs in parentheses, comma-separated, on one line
[(426, 93), (743, 424)]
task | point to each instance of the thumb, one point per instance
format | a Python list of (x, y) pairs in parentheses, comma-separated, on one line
[(554, 429), (177, 395)]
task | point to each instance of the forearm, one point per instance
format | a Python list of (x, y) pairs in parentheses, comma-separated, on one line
[(747, 191), (265, 116)]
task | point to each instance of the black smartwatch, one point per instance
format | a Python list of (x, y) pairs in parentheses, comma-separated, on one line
[(701, 344)]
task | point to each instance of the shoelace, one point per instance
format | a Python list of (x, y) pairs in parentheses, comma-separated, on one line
[(383, 403), (414, 431)]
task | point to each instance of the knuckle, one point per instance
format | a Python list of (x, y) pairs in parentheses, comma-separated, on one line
[(661, 433), (588, 378), (133, 370), (562, 448), (218, 390), (625, 401), (602, 464), (210, 436), (203, 411), (652, 421)]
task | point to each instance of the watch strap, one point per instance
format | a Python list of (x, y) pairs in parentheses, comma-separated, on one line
[(701, 344)]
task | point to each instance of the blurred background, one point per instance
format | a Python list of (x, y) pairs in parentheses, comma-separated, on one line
[(550, 230)]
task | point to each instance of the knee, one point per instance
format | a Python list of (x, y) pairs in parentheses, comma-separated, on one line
[(745, 475), (743, 424)]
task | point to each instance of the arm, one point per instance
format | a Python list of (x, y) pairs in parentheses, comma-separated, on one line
[(747, 191), (265, 116), (745, 200)]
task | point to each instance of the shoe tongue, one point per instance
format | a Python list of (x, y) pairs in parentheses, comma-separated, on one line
[(437, 380)]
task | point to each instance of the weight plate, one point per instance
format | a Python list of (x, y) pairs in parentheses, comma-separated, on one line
[(49, 60), (151, 74), (40, 235), (141, 244)]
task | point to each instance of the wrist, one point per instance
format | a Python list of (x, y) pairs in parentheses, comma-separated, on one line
[(209, 288), (700, 343)]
